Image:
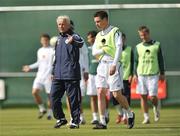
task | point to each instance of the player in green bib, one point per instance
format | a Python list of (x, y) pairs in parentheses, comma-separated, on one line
[(107, 48), (91, 87), (127, 64), (148, 69)]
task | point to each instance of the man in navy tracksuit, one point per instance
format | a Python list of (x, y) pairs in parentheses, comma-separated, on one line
[(66, 73)]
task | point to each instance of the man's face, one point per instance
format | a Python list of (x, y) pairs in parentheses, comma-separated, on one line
[(144, 36), (90, 39), (44, 41), (63, 25), (101, 23)]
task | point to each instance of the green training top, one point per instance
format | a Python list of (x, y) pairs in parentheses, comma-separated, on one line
[(127, 61), (93, 62), (148, 59), (107, 42)]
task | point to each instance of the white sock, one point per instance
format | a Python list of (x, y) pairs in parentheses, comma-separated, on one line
[(41, 107), (124, 114), (119, 109), (70, 122), (95, 116), (146, 116), (102, 119), (49, 113), (129, 113), (81, 116)]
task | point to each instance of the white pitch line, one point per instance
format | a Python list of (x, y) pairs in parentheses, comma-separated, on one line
[(88, 7), (33, 74)]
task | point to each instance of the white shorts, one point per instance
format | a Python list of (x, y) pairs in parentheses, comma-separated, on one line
[(147, 85), (39, 84), (82, 86), (104, 80), (91, 85)]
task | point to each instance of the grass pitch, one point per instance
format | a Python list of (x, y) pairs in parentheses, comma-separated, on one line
[(24, 122)]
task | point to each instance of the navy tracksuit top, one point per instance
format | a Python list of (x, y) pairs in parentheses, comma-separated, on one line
[(66, 65)]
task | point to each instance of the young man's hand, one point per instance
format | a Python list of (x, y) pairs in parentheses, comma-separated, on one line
[(26, 68), (86, 76), (112, 70), (52, 77)]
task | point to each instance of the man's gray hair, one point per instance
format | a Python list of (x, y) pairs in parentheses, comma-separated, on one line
[(64, 17)]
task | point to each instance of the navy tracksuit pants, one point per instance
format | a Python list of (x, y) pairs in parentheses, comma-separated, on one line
[(72, 88), (126, 92)]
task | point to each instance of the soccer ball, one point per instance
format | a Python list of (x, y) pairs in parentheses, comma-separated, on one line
[(53, 41)]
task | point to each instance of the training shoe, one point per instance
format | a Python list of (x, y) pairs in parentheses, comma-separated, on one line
[(119, 119), (131, 121), (100, 126), (107, 120), (94, 122), (156, 114), (146, 121), (73, 126), (41, 114), (49, 117), (60, 123)]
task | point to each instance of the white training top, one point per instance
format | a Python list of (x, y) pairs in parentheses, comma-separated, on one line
[(83, 58), (118, 41), (44, 62)]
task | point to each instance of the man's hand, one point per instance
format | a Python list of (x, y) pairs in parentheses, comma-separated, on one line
[(162, 77), (97, 57), (26, 68), (112, 70), (86, 76), (69, 39), (52, 77)]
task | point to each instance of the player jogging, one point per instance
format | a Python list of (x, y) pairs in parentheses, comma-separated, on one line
[(148, 69), (43, 77), (91, 87), (127, 64), (83, 61)]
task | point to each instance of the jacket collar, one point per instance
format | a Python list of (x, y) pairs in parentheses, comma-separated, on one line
[(65, 34)]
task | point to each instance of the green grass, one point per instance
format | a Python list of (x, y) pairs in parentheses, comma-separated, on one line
[(24, 122)]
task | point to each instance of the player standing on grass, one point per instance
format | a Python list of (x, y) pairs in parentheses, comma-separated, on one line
[(43, 77), (83, 61), (91, 87), (108, 47), (148, 69), (127, 64), (66, 73)]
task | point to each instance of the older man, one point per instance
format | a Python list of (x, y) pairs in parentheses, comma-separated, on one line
[(66, 73)]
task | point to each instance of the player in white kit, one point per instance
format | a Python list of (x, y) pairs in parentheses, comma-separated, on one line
[(84, 64), (43, 77), (83, 60)]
